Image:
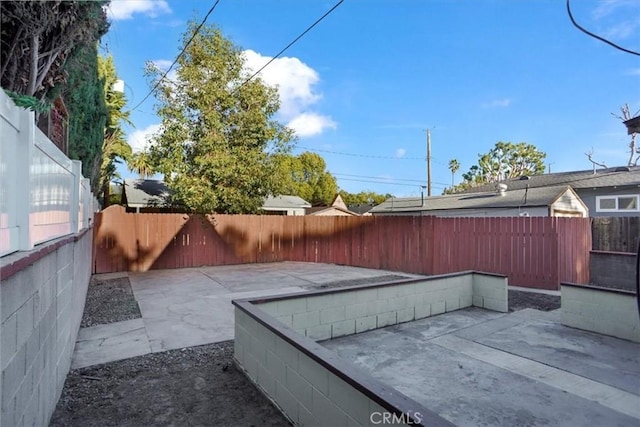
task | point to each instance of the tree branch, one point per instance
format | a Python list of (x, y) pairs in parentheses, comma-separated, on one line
[(33, 69), (590, 157), (13, 46)]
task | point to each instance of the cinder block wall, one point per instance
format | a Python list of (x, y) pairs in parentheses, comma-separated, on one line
[(605, 311), (313, 386), (335, 314), (308, 392), (42, 296)]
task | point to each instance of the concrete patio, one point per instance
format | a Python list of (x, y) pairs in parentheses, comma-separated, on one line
[(478, 367), (472, 367), (189, 307)]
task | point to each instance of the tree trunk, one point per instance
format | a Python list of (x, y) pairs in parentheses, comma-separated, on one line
[(33, 70)]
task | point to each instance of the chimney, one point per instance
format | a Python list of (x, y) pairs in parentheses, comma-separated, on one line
[(501, 189)]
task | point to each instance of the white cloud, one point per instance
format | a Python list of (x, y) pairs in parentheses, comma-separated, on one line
[(607, 7), (633, 72), (622, 30), (124, 9), (296, 83), (497, 103), (139, 139), (309, 124), (400, 152), (617, 19), (164, 64)]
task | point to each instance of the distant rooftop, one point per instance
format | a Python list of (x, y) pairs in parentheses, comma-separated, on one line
[(514, 198), (610, 177)]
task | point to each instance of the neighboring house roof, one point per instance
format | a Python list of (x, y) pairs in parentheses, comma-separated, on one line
[(610, 177), (337, 205), (143, 193), (513, 198), (360, 209), (285, 202), (319, 210)]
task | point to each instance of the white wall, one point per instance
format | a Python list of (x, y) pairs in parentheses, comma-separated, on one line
[(605, 311), (42, 296)]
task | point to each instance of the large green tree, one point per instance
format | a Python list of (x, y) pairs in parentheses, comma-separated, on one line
[(84, 97), (505, 160), (37, 38), (364, 198), (218, 131), (115, 148), (305, 176)]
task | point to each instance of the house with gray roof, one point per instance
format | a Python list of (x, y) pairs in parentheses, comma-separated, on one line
[(560, 200), (145, 195), (606, 192), (285, 205), (152, 195)]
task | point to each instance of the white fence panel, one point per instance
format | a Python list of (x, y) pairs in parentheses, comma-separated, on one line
[(43, 195), (51, 186), (10, 135)]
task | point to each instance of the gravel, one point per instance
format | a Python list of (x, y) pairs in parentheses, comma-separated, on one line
[(108, 301), (519, 300)]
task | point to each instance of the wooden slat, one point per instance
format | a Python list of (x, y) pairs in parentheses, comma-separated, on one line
[(536, 252)]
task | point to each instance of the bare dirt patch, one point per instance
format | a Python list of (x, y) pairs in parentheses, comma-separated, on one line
[(519, 300), (197, 386)]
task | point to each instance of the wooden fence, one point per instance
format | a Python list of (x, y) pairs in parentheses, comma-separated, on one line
[(616, 234), (538, 252)]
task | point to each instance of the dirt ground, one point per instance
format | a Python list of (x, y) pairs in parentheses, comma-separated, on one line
[(519, 300), (197, 386)]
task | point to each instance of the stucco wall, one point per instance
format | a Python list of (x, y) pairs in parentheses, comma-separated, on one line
[(42, 295), (602, 310)]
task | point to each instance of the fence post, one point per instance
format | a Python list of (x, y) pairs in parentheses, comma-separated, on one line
[(76, 167), (24, 157), (86, 203)]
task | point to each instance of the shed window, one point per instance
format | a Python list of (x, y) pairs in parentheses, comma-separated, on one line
[(626, 203)]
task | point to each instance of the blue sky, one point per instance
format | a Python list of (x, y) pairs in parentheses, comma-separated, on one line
[(363, 86)]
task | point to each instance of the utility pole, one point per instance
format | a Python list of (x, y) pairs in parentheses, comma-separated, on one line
[(428, 162)]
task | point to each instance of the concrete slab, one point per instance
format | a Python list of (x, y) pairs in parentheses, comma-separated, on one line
[(108, 343), (189, 307), (512, 369)]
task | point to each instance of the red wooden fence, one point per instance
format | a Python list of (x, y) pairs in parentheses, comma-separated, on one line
[(537, 252)]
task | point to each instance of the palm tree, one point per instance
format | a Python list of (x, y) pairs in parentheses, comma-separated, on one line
[(140, 163), (454, 166)]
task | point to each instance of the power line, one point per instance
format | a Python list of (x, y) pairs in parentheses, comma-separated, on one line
[(360, 155), (376, 177), (193, 36), (290, 44), (602, 39), (380, 182)]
